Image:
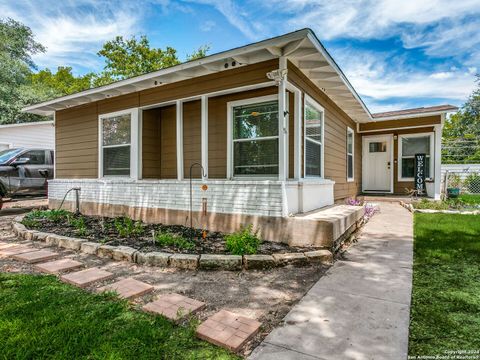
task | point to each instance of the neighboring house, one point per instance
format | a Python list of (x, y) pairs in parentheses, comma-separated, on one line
[(28, 135), (276, 125)]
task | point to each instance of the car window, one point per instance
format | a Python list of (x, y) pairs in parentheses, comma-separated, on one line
[(8, 154), (37, 157), (52, 157)]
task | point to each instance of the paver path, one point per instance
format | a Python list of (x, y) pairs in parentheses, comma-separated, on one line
[(360, 309)]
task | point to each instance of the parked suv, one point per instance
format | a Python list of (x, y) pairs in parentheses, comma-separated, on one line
[(24, 172)]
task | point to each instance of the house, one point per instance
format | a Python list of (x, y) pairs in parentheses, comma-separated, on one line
[(40, 134), (275, 125)]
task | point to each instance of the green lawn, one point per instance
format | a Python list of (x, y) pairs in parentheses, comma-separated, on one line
[(470, 199), (41, 318), (445, 313)]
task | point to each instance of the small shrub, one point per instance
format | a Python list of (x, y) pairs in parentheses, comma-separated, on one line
[(79, 224), (31, 223), (126, 227), (243, 242), (432, 205), (171, 239), (454, 181)]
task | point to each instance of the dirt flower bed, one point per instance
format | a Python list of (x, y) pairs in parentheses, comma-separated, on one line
[(141, 236)]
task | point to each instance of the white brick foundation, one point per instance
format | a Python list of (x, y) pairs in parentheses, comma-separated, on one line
[(264, 198)]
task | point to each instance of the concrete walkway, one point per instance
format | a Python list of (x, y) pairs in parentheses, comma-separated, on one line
[(360, 308)]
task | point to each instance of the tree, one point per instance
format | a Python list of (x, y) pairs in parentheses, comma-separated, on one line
[(461, 133), (126, 58), (60, 83), (17, 46)]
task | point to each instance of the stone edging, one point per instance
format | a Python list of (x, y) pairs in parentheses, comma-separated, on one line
[(410, 208), (181, 261)]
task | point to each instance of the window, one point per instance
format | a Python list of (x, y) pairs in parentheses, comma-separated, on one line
[(350, 154), (380, 146), (36, 157), (255, 139), (409, 145), (115, 145), (313, 132)]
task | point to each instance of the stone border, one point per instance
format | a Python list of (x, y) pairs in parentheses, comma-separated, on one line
[(181, 261), (410, 208)]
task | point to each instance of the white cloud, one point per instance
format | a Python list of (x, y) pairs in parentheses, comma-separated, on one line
[(207, 25), (380, 77), (234, 14), (73, 33)]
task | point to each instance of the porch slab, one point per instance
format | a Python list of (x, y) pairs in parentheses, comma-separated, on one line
[(36, 256), (174, 306), (228, 330), (58, 266), (86, 277), (128, 288), (341, 217)]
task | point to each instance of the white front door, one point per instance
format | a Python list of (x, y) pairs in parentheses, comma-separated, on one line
[(377, 166)]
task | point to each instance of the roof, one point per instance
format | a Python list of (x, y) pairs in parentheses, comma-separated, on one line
[(425, 111), (50, 122), (302, 48)]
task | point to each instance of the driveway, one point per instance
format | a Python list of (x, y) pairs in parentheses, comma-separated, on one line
[(360, 309)]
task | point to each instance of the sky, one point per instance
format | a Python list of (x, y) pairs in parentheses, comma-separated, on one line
[(396, 53)]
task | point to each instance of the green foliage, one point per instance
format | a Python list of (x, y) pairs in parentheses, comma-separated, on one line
[(31, 223), (53, 215), (171, 239), (60, 83), (470, 199), (200, 53), (17, 45), (126, 227), (78, 223), (243, 242), (445, 312), (461, 133), (125, 58), (41, 317), (473, 182), (464, 202)]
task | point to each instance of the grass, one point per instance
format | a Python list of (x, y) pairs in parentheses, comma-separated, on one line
[(445, 313), (41, 317), (470, 199)]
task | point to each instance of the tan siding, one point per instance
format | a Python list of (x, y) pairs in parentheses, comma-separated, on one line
[(399, 187), (217, 129), (336, 122), (168, 142), (118, 103), (151, 144), (76, 142), (291, 135), (192, 138), (246, 75), (392, 124)]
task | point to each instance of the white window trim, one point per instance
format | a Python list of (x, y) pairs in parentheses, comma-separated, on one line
[(315, 104), (431, 155), (230, 106), (350, 131), (135, 154)]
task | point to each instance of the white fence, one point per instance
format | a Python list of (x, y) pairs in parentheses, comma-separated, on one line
[(467, 176)]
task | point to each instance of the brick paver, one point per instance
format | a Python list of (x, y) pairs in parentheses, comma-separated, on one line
[(4, 245), (16, 250), (128, 288), (35, 256), (228, 330), (86, 277), (58, 266), (174, 306)]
